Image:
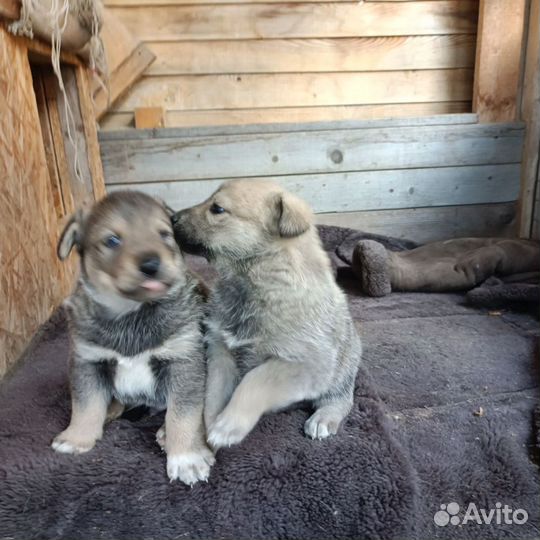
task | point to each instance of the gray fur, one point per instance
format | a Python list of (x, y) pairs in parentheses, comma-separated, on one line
[(141, 348)]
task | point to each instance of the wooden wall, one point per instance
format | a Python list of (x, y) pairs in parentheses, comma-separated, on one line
[(426, 178), (251, 61), (38, 188)]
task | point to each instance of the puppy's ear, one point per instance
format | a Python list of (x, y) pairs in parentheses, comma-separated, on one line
[(71, 236), (294, 215)]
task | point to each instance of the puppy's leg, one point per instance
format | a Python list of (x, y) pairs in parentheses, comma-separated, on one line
[(268, 387), (332, 407), (221, 380), (329, 413), (115, 410), (188, 457), (90, 399)]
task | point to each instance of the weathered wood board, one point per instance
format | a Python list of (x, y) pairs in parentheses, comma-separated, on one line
[(298, 20), (270, 116), (350, 172), (308, 152), (431, 224), (312, 55), (240, 62), (368, 190), (300, 90)]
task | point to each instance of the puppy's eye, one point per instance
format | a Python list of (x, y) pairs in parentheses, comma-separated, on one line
[(165, 235), (112, 241), (216, 209)]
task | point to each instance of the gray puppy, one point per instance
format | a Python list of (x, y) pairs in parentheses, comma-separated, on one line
[(135, 321), (279, 329)]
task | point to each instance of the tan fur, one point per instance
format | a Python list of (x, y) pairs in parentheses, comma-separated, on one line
[(279, 330)]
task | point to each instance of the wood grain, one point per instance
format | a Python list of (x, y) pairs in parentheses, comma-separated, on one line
[(288, 127), (298, 90), (297, 20), (312, 55), (127, 59), (530, 113), (154, 160), (370, 190), (498, 59), (242, 117), (430, 224), (32, 280)]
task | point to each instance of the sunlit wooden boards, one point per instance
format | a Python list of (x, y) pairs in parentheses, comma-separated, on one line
[(39, 190), (127, 58), (498, 59), (222, 63), (337, 167), (299, 20)]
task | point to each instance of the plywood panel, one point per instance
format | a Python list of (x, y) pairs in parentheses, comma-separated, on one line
[(256, 21), (299, 90), (371, 190), (313, 55), (32, 280), (430, 224), (310, 152)]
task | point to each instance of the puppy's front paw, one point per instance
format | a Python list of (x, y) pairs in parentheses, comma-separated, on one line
[(190, 467), (68, 442), (321, 424), (229, 429)]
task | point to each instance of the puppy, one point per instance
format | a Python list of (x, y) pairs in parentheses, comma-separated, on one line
[(135, 321), (278, 327)]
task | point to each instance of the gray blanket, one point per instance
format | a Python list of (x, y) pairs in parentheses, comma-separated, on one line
[(444, 413)]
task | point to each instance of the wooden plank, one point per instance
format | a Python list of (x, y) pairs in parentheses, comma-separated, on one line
[(48, 144), (196, 92), (125, 3), (76, 151), (313, 55), (301, 20), (530, 113), (430, 224), (273, 154), (149, 117), (90, 132), (50, 85), (245, 118), (127, 58), (498, 54), (288, 127), (370, 190)]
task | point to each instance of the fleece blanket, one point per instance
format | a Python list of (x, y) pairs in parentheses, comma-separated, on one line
[(444, 421)]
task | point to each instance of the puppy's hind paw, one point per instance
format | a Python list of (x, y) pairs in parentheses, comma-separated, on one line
[(161, 437), (190, 467)]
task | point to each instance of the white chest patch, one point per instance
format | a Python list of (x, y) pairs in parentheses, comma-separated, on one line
[(133, 376)]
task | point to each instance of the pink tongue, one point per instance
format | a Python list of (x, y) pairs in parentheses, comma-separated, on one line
[(153, 285)]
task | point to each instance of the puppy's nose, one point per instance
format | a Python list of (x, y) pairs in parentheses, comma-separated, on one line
[(149, 266)]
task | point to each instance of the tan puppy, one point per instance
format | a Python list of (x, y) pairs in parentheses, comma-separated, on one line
[(278, 327)]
